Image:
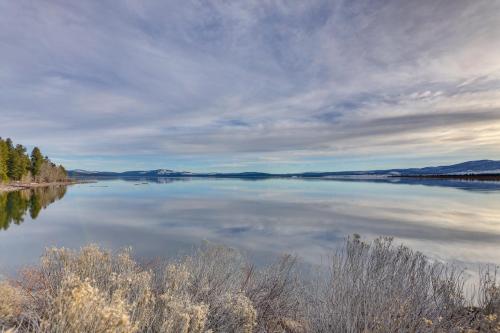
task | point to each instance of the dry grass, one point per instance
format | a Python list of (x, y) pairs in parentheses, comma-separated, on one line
[(369, 287)]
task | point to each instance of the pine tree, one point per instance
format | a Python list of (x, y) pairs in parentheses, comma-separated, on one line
[(25, 162), (12, 160), (4, 156), (36, 162), (16, 164)]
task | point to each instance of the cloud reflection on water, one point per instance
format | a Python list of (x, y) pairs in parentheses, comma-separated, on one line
[(265, 218)]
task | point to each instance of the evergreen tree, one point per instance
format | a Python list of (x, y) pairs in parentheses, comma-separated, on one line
[(13, 162), (25, 161), (36, 162), (4, 156), (10, 157), (17, 165)]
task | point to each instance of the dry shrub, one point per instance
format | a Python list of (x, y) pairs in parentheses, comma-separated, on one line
[(240, 313), (378, 287), (233, 313), (209, 276), (218, 274), (182, 315), (12, 300), (111, 274), (9, 330), (277, 293), (109, 278), (485, 317), (80, 307), (213, 271), (179, 312), (369, 287), (489, 292)]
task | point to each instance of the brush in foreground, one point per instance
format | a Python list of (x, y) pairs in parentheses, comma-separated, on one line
[(369, 287)]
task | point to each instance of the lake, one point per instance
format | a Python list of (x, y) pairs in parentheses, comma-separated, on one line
[(451, 221)]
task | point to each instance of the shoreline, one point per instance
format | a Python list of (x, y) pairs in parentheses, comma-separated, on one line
[(326, 176), (478, 177), (11, 187)]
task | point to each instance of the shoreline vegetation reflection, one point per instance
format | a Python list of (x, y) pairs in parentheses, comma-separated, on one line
[(14, 206)]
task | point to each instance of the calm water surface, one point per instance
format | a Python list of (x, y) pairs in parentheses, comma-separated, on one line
[(263, 218)]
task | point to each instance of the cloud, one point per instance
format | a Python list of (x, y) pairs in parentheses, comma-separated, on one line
[(232, 81)]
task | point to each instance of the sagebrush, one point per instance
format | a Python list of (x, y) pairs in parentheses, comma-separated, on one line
[(368, 287)]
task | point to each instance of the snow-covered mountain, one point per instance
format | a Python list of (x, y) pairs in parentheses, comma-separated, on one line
[(139, 173), (84, 171), (470, 167), (480, 167)]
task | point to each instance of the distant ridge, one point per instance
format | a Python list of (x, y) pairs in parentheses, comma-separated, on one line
[(480, 167)]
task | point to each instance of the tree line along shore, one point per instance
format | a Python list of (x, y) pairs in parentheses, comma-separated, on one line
[(18, 169)]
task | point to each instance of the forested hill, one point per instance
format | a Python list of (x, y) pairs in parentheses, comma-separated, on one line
[(17, 165)]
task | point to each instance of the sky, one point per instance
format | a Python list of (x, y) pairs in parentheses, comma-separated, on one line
[(276, 86)]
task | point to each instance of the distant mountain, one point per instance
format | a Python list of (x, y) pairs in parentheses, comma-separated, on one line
[(481, 167), (140, 173), (471, 167), (163, 173)]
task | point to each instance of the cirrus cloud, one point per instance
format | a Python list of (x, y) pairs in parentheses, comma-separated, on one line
[(196, 84)]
